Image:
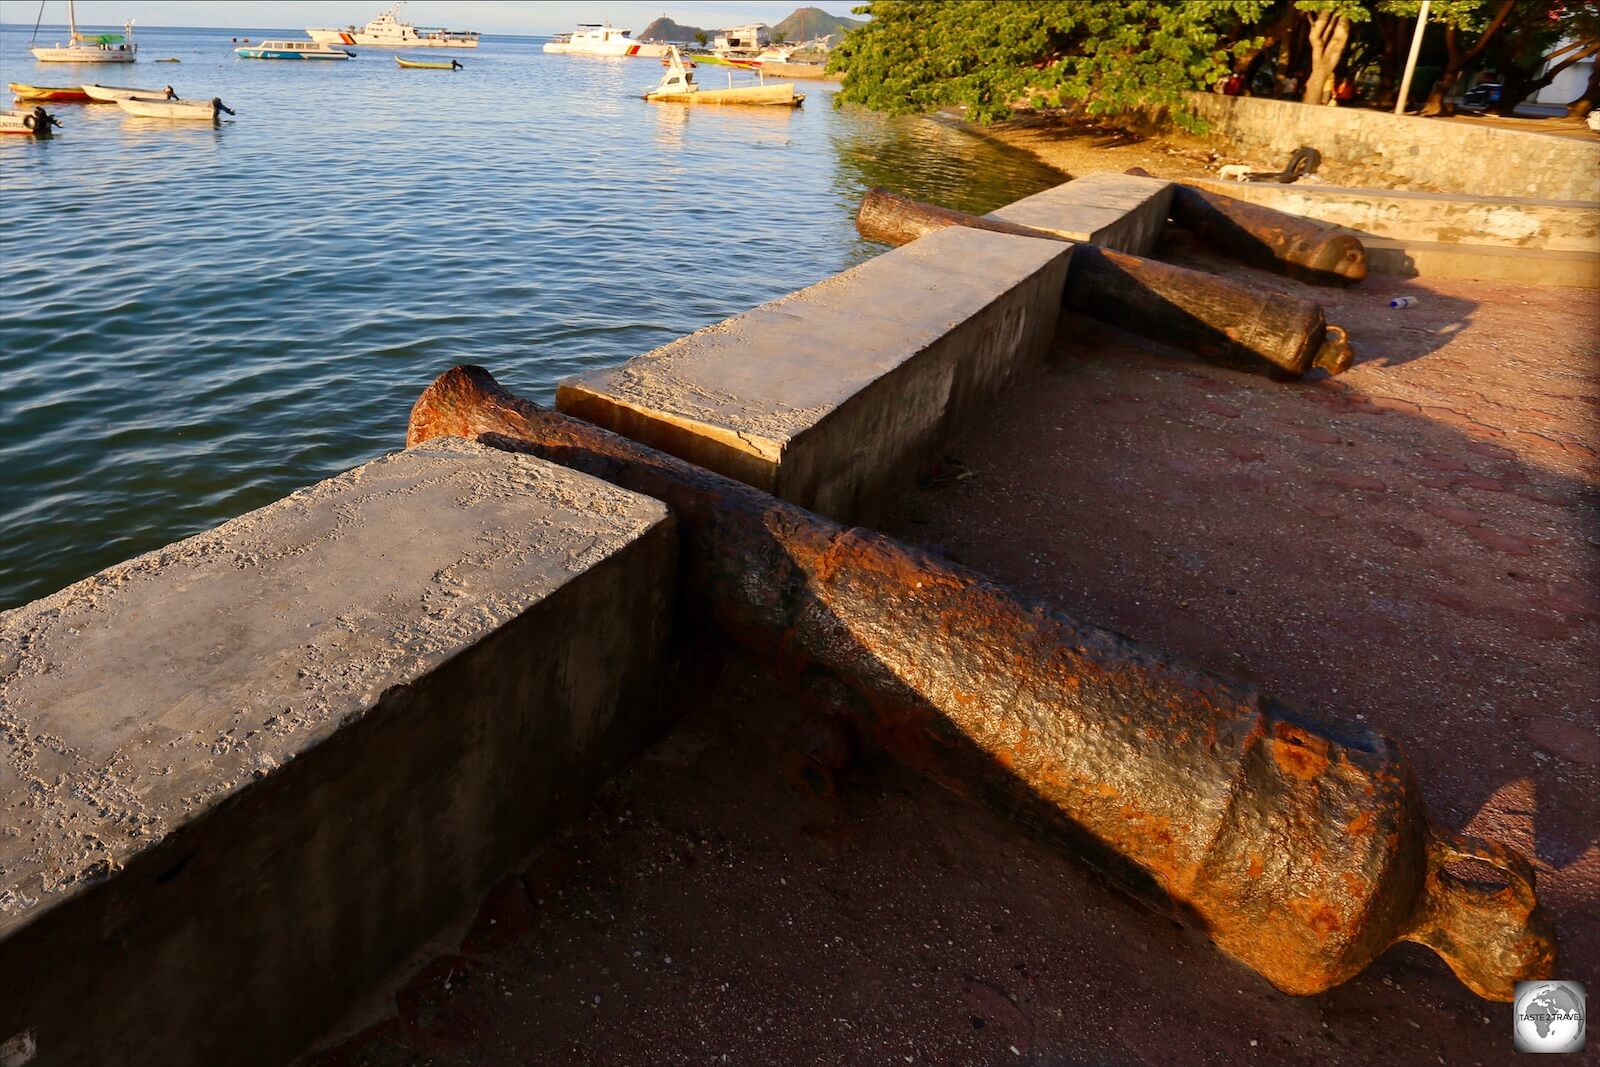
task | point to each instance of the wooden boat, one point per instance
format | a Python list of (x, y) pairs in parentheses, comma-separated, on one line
[(155, 107), (109, 94), (39, 93), (678, 87), (27, 123), (87, 47), (427, 64)]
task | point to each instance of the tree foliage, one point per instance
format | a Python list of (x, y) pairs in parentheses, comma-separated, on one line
[(1109, 55), (1115, 56)]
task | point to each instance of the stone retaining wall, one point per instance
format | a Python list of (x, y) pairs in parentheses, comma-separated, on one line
[(1454, 156)]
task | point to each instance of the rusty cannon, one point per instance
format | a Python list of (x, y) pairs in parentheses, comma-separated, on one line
[(1301, 846), (1274, 240), (1220, 320)]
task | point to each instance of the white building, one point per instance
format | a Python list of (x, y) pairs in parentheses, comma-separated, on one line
[(1568, 85), (751, 38)]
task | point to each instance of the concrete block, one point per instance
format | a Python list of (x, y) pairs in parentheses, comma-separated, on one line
[(1112, 210), (837, 397), (1484, 263), (1444, 218), (244, 777)]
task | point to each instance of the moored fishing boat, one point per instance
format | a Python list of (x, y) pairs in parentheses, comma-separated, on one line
[(290, 50), (87, 48), (159, 108), (55, 93), (36, 122), (601, 39), (109, 94), (678, 86), (388, 31), (428, 64)]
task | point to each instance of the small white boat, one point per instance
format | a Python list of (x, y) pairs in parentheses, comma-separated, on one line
[(290, 50), (154, 107), (678, 86), (35, 122), (88, 47), (601, 39), (387, 31), (110, 94)]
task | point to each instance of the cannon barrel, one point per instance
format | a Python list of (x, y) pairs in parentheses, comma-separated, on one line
[(1301, 846), (1223, 321), (1275, 240)]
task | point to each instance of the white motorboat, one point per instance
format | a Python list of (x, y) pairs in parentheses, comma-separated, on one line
[(110, 94), (601, 39), (290, 50), (88, 47), (155, 107), (388, 31)]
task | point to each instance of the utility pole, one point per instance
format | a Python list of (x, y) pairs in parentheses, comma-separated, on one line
[(1411, 62)]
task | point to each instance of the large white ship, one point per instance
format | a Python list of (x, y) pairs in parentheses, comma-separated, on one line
[(594, 39), (387, 31)]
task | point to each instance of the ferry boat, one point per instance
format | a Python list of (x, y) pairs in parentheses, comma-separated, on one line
[(90, 47), (601, 39), (387, 31), (290, 50)]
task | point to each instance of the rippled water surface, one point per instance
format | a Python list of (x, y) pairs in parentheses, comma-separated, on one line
[(196, 320)]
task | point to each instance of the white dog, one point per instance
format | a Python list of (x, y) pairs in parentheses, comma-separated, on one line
[(1235, 172)]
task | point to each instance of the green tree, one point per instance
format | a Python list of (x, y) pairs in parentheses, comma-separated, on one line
[(1112, 56), (701, 39), (778, 37)]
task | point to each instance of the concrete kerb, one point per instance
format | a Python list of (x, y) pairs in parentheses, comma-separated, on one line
[(249, 774), (1119, 211), (837, 397), (1520, 240)]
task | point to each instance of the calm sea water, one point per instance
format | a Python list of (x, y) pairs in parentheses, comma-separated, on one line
[(195, 321)]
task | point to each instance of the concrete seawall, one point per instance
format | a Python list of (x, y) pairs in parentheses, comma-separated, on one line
[(1454, 156), (250, 774), (837, 397)]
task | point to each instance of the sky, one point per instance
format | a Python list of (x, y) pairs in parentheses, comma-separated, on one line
[(486, 16)]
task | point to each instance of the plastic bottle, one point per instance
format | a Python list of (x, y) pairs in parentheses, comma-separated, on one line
[(1403, 302)]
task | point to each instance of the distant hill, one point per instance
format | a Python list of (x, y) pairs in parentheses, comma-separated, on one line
[(809, 22), (664, 29)]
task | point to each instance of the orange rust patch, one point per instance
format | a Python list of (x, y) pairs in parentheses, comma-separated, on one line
[(1361, 824), (1297, 753), (1256, 865)]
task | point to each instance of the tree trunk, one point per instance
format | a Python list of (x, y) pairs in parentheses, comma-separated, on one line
[(1392, 28), (1246, 63), (1328, 34), (1439, 96), (1519, 87), (1590, 98)]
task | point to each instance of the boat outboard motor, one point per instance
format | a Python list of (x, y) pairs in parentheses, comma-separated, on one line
[(40, 121), (171, 93), (217, 105)]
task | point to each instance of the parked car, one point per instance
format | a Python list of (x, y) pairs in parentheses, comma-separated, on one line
[(1483, 96)]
